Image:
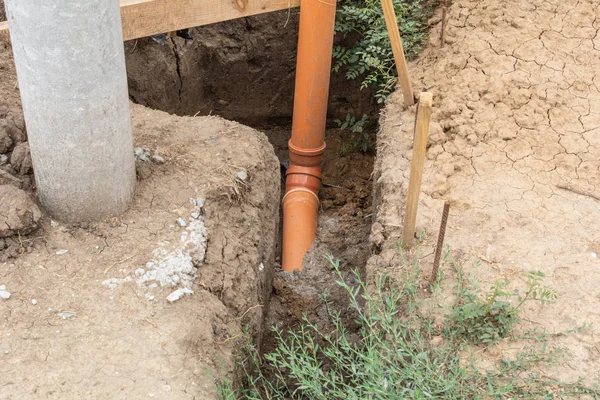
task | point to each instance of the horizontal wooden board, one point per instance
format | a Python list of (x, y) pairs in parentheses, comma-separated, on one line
[(143, 18)]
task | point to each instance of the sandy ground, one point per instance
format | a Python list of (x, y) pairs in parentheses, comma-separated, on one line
[(65, 333), (516, 115)]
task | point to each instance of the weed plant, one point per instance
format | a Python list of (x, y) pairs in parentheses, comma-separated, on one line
[(369, 57), (400, 352)]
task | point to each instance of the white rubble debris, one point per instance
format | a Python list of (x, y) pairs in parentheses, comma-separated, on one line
[(178, 294), (4, 294)]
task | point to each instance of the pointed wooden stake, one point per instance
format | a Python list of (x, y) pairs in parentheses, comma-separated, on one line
[(392, 26), (416, 170)]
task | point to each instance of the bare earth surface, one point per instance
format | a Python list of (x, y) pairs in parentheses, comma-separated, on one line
[(88, 315), (516, 115)]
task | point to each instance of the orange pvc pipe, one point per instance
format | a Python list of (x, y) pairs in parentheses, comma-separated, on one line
[(300, 204)]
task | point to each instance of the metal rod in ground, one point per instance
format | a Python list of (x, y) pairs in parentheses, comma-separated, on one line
[(442, 34), (416, 169), (391, 22), (440, 243)]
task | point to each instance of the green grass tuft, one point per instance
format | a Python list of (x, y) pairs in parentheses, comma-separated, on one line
[(399, 352)]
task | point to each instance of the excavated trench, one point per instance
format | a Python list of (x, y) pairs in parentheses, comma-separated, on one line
[(244, 70)]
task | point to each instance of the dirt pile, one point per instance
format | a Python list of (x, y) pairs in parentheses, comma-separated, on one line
[(146, 304), (123, 338), (18, 213), (516, 121)]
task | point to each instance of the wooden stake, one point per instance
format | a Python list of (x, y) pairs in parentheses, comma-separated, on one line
[(416, 169), (392, 26)]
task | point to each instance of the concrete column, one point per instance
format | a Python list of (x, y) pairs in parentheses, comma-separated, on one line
[(71, 71)]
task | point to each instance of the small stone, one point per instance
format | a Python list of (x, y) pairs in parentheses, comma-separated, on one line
[(3, 159), (140, 271), (4, 294), (181, 222), (34, 302), (138, 151), (195, 215), (153, 286), (149, 296), (6, 142), (178, 294), (61, 252), (594, 255), (66, 315), (54, 224), (21, 159), (157, 159), (242, 176)]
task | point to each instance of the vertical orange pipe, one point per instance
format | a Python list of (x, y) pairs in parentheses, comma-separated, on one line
[(300, 204)]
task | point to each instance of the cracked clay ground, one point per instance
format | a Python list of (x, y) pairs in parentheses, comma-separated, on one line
[(516, 117)]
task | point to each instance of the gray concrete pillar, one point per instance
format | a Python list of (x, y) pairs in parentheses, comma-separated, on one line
[(71, 71)]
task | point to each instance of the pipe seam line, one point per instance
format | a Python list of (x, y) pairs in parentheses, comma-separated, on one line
[(301, 189)]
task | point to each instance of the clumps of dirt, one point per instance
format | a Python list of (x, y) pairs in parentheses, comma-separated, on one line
[(19, 216), (18, 213), (516, 117), (20, 159), (15, 160)]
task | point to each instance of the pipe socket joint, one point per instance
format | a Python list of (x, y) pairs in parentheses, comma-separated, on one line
[(310, 157)]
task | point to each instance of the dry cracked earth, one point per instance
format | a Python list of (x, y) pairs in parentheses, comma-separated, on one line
[(514, 145)]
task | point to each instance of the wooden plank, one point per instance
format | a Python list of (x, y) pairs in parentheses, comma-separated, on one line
[(392, 26), (159, 16), (143, 18), (416, 169)]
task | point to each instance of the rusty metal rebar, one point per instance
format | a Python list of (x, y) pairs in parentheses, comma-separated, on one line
[(440, 243), (442, 33)]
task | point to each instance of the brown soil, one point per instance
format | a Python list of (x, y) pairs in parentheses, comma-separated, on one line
[(517, 117), (64, 334), (242, 70)]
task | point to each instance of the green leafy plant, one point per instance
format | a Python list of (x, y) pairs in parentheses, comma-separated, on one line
[(370, 57), (487, 318), (360, 136), (398, 352)]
